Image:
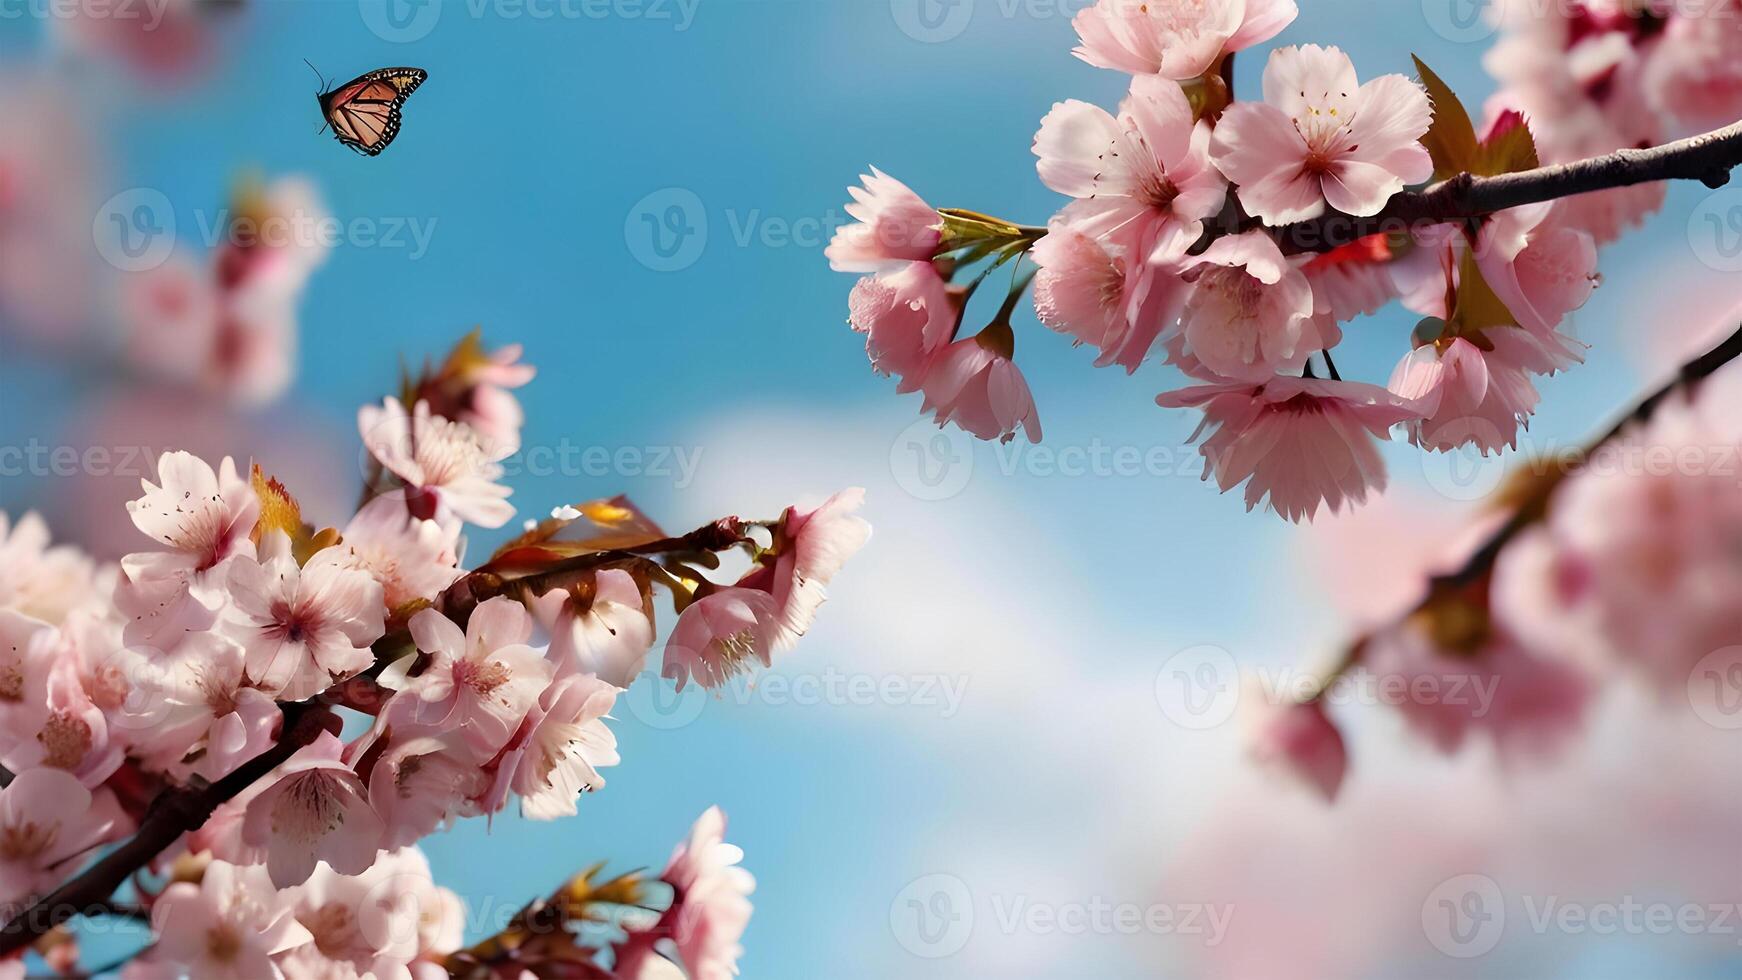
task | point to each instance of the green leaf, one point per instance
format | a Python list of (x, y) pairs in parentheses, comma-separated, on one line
[(1451, 139), (1479, 307)]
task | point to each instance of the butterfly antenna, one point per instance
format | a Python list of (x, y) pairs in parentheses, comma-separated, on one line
[(318, 76)]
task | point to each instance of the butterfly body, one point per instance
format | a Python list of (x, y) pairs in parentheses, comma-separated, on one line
[(364, 112)]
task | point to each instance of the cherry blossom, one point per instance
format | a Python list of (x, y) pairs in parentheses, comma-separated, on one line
[(209, 703), (423, 783), (1103, 292), (481, 682), (713, 899), (1146, 172), (603, 631), (1321, 137), (303, 628), (893, 226), (809, 548), (227, 927), (1295, 739), (363, 925), (1250, 315), (314, 809), (38, 579), (1176, 38), (409, 557), (1297, 443), (907, 315), (976, 385), (563, 745), (72, 735), (1540, 268), (48, 819), (206, 519), (440, 457), (1476, 397), (719, 635)]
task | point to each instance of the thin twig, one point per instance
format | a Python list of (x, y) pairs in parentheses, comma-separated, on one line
[(1534, 506)]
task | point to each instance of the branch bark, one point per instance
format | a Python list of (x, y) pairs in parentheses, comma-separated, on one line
[(173, 814), (1708, 158)]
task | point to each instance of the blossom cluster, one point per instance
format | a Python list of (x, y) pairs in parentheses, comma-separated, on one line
[(1628, 578), (229, 326), (1183, 239), (179, 666)]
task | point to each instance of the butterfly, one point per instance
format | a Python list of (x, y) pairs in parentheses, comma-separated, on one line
[(364, 112)]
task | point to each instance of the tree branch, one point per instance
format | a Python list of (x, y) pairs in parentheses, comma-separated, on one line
[(1707, 158), (172, 814), (1534, 506)]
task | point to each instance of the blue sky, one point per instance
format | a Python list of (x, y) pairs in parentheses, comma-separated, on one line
[(538, 159)]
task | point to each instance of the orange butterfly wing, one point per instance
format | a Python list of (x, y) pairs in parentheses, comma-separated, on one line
[(364, 113)]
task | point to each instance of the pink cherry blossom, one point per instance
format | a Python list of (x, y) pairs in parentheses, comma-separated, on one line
[(305, 628), (205, 519), (976, 385), (565, 744), (1146, 172), (423, 783), (366, 925), (315, 809), (1295, 739), (209, 704), (72, 735), (37, 579), (893, 226), (810, 546), (1101, 292), (1693, 73), (1320, 137), (441, 457), (227, 927), (48, 819), (1468, 396), (1249, 315), (907, 315), (481, 682), (718, 636), (1638, 571), (1297, 443), (1528, 705), (606, 633), (28, 650), (712, 895), (1175, 38), (409, 557), (1540, 268)]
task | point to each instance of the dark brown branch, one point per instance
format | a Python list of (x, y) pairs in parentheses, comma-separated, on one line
[(1707, 158), (172, 814)]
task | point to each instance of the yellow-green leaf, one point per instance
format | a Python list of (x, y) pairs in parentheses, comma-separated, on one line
[(1451, 139)]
